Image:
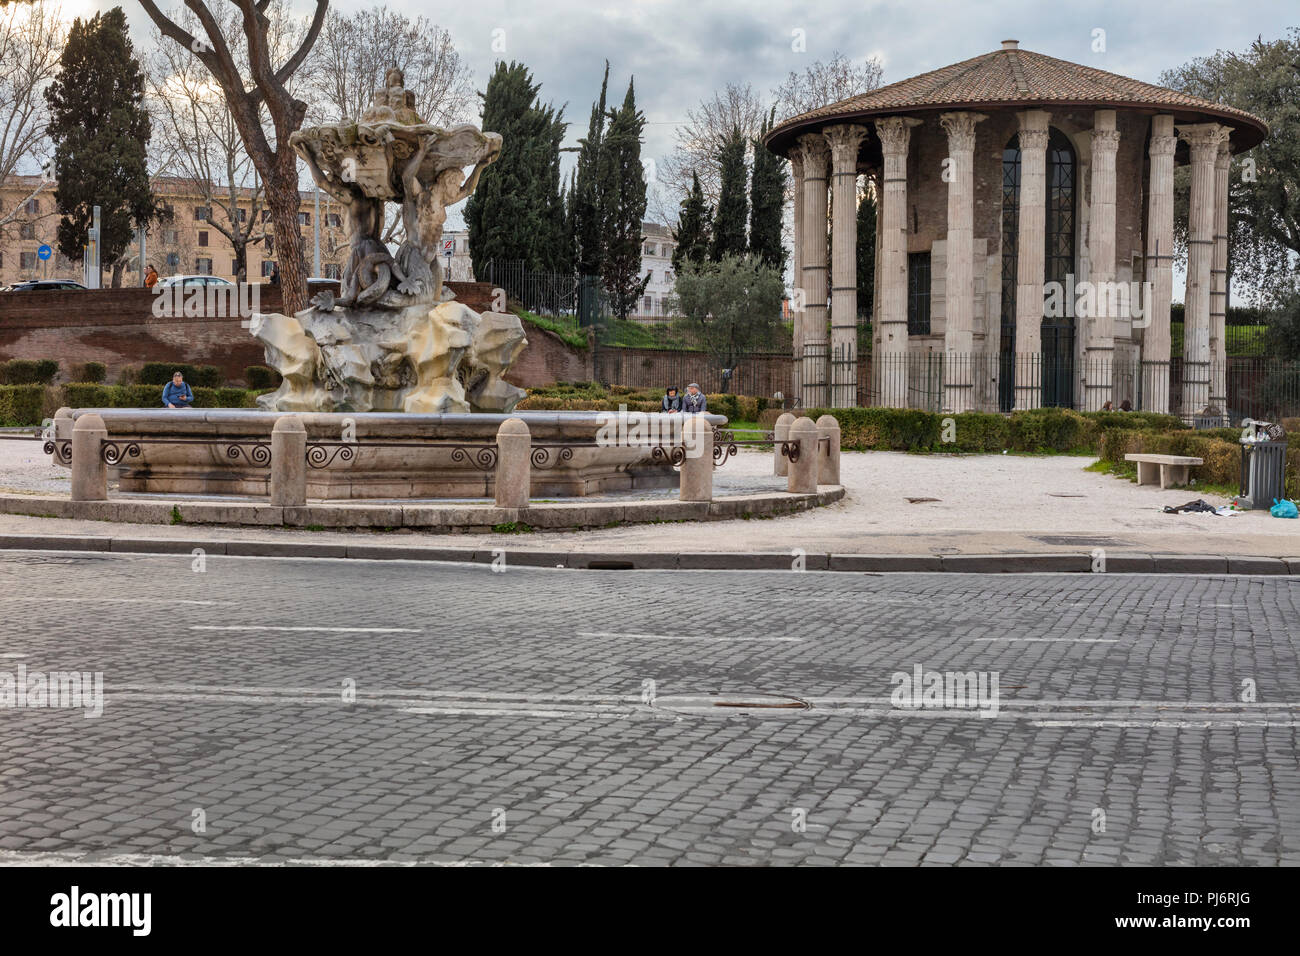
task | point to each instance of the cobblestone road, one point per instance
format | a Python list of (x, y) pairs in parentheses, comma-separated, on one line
[(505, 716)]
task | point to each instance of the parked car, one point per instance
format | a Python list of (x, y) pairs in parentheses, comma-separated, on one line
[(43, 285), (191, 281)]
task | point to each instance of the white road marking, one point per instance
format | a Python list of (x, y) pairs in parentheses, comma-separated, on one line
[(1195, 724), (687, 637), (108, 600), (1052, 640), (310, 630), (90, 858), (12, 654)]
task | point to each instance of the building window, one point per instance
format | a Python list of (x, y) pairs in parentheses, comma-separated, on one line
[(27, 230), (331, 270), (268, 266), (203, 266), (202, 213), (270, 247), (918, 293), (266, 215), (332, 220), (171, 236), (203, 237), (173, 260), (234, 267), (304, 219), (33, 207), (2, 260), (649, 304), (241, 215), (168, 211), (27, 260)]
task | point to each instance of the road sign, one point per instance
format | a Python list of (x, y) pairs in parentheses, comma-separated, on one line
[(448, 246), (44, 252)]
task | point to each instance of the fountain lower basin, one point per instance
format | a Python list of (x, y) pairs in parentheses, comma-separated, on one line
[(193, 451)]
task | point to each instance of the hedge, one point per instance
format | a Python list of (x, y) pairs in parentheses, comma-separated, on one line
[(90, 372), (28, 371), (260, 377), (160, 373), (87, 395), (21, 404)]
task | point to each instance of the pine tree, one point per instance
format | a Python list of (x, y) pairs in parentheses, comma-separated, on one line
[(101, 131), (622, 185), (733, 206), (589, 200), (866, 253), (692, 233), (767, 201), (512, 215)]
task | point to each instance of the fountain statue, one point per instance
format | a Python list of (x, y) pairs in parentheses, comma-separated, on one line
[(395, 338)]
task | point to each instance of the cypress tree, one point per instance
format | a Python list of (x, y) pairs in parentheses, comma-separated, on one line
[(589, 200), (733, 206), (512, 216), (866, 253), (622, 185), (692, 233), (101, 131), (767, 201)]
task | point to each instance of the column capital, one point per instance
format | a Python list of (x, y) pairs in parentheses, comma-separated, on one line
[(1105, 140), (844, 140), (961, 129), (895, 132), (1204, 139), (1162, 145), (1223, 159), (796, 162), (815, 154)]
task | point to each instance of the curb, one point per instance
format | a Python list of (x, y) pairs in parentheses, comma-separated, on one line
[(1054, 562)]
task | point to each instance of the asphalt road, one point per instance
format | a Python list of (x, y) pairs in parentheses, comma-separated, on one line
[(287, 710)]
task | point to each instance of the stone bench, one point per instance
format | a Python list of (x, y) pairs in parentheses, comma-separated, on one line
[(1168, 469)]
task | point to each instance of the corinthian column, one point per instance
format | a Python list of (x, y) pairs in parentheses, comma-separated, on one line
[(895, 132), (959, 284), (1031, 244), (796, 276), (1219, 284), (1159, 266), (815, 155), (844, 142), (1100, 332), (1204, 140)]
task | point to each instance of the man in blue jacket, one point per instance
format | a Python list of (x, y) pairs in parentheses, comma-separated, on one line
[(177, 392)]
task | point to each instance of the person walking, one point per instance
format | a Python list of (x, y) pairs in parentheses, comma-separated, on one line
[(151, 278)]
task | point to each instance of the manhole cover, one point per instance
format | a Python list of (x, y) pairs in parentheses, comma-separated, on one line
[(721, 705)]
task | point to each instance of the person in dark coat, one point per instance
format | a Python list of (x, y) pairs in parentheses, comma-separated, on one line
[(672, 402), (694, 403)]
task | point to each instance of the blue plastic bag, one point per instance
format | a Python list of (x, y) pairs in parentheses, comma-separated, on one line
[(1284, 509)]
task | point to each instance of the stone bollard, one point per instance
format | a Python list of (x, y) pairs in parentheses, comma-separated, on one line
[(697, 469), (828, 450), (288, 463), (89, 473), (803, 473), (781, 432), (514, 464), (61, 432)]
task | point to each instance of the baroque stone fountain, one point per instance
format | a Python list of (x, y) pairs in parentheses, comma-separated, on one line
[(395, 338), (399, 387)]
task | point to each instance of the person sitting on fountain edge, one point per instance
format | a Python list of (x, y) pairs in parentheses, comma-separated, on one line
[(672, 402), (177, 392), (694, 403)]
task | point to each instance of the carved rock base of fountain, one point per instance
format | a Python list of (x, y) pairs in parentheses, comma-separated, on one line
[(419, 359)]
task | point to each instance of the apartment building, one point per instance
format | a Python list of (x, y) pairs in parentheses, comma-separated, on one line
[(657, 245), (188, 241)]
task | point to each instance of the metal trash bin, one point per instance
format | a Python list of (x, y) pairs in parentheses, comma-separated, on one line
[(1263, 472)]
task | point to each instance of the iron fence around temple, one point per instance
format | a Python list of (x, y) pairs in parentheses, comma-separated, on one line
[(760, 374), (552, 294), (1203, 393)]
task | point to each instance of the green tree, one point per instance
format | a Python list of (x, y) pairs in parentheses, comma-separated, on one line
[(866, 252), (1264, 184), (101, 131), (589, 201), (730, 308), (767, 201), (512, 215), (622, 186), (692, 233), (733, 207)]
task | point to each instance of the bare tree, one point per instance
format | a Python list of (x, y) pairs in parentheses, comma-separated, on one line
[(270, 74), (354, 50), (826, 82), (31, 40), (700, 142), (197, 139)]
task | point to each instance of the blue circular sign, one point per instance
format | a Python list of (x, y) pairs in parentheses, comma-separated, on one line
[(44, 252)]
